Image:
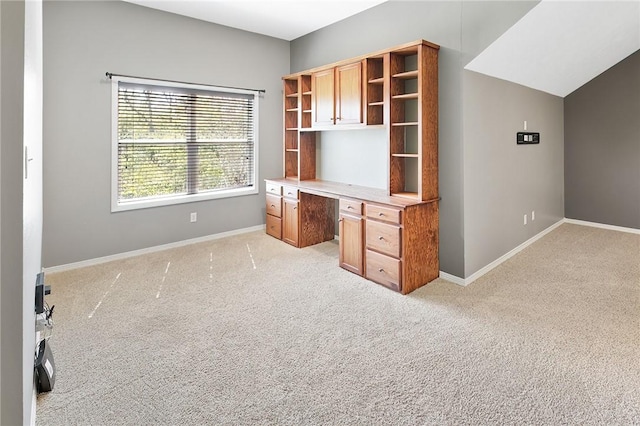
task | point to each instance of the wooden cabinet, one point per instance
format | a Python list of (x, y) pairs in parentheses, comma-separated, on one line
[(290, 215), (307, 219), (290, 228), (323, 97), (274, 210), (349, 94), (351, 236), (389, 237), (384, 245), (402, 245), (336, 95)]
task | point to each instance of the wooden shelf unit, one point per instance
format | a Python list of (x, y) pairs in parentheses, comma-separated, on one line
[(299, 149), (413, 138), (374, 89), (394, 89)]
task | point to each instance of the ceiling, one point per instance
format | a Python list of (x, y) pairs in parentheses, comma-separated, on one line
[(284, 19), (557, 47), (560, 45)]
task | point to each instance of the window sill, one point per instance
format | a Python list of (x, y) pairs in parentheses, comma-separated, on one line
[(180, 199)]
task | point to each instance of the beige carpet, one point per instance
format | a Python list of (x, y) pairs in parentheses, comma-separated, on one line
[(248, 330)]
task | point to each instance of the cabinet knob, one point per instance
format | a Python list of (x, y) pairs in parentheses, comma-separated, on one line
[(295, 208)]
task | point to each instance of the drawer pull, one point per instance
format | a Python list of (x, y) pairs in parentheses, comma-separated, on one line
[(289, 193), (381, 270), (381, 237), (349, 208), (380, 214), (273, 205), (295, 208)]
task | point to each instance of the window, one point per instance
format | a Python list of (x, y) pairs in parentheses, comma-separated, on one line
[(175, 143)]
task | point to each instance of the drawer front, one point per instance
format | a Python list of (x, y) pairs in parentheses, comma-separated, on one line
[(351, 206), (383, 237), (384, 270), (272, 188), (290, 191), (274, 205), (388, 214), (274, 226)]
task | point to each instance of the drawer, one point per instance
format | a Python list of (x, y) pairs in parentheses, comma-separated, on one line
[(383, 237), (272, 188), (351, 206), (290, 191), (274, 226), (386, 213), (383, 269), (274, 205)]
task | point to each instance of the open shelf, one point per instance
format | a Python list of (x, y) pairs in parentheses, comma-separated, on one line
[(405, 96), (406, 74), (375, 89), (410, 123), (412, 195)]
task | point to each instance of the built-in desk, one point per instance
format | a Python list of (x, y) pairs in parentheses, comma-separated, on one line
[(387, 239)]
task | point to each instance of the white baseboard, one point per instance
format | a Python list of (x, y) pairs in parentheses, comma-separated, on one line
[(119, 256), (452, 278), (603, 226), (466, 281)]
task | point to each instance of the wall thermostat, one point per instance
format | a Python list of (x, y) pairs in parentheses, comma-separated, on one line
[(527, 138)]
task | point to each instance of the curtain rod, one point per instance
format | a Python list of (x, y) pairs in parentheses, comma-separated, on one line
[(110, 74)]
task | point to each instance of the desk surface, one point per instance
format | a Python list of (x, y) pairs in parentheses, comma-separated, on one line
[(336, 190)]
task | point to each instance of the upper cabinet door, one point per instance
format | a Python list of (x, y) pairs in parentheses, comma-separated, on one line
[(349, 94), (322, 92)]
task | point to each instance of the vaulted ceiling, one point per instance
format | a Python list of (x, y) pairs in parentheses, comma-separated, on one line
[(556, 48), (560, 45)]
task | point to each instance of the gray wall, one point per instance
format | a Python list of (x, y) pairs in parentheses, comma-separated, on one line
[(504, 181), (83, 40), (462, 29), (602, 147)]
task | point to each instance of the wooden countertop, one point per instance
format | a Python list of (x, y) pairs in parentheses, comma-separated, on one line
[(337, 190)]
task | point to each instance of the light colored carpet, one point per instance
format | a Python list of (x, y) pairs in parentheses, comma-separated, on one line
[(551, 336)]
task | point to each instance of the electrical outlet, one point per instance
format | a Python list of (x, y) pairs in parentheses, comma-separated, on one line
[(533, 215), (194, 217), (525, 219)]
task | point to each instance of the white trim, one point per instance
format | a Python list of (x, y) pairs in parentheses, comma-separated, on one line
[(603, 226), (179, 198), (511, 253), (452, 278), (466, 281), (125, 255)]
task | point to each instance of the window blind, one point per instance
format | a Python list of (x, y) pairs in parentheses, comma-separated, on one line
[(176, 142)]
